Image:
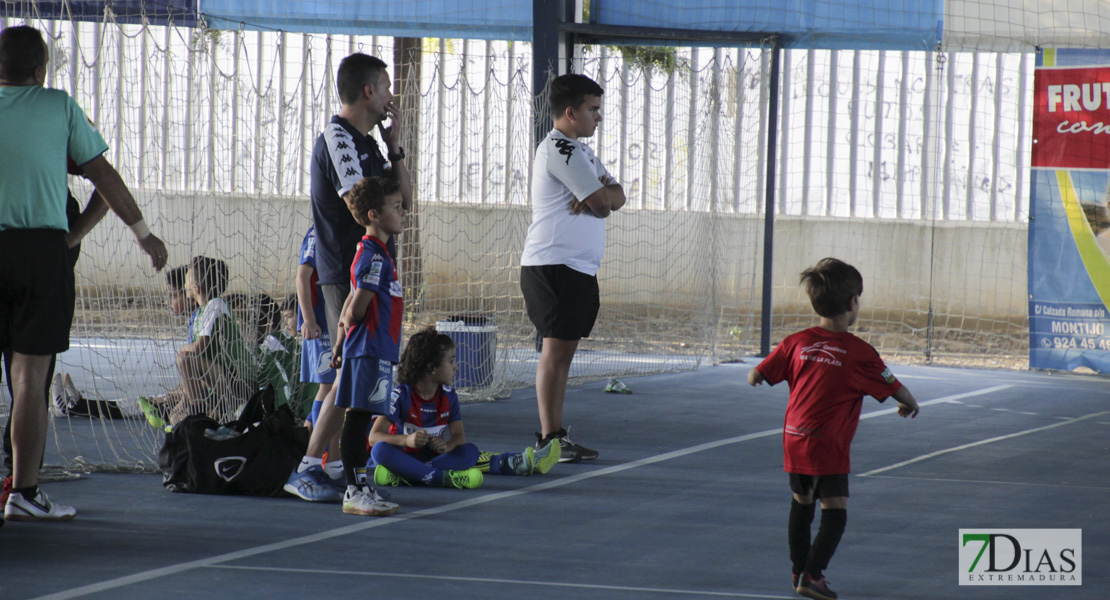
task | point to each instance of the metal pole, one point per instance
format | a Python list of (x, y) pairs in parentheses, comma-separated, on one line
[(769, 202)]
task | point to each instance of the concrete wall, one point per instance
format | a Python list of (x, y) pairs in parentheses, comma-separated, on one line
[(653, 258)]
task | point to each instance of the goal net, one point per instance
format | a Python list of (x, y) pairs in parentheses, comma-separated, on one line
[(909, 165)]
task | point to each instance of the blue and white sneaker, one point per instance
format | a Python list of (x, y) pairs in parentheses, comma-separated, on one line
[(313, 485)]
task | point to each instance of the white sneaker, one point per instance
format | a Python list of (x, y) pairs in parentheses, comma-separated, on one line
[(58, 402), (71, 393), (367, 502), (40, 508)]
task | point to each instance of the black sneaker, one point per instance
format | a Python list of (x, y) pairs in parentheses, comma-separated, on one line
[(571, 452), (818, 589)]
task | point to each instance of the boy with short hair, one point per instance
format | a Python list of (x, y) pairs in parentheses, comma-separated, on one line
[(279, 353), (828, 370), (368, 337), (215, 365), (572, 194), (180, 302), (273, 350), (312, 480), (312, 322), (301, 392)]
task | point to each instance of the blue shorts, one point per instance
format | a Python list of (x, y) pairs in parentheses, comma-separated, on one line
[(316, 360), (365, 383)]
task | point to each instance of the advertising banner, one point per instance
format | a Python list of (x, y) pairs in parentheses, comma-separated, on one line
[(1069, 213)]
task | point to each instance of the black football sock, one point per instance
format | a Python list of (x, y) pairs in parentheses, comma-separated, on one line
[(827, 539), (352, 443), (801, 517), (28, 493)]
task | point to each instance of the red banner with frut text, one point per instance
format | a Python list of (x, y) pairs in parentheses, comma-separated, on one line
[(1072, 120)]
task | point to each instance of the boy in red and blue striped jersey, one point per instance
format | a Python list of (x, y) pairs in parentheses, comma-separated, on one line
[(368, 336)]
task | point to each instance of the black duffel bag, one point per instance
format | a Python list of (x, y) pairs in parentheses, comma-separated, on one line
[(252, 455)]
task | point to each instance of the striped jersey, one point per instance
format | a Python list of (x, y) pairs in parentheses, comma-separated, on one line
[(408, 412), (379, 333)]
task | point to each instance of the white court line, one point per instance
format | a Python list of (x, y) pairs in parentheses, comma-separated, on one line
[(982, 442), (588, 586), (993, 482), (212, 561)]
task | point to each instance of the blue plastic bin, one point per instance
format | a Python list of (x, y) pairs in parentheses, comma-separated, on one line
[(475, 350)]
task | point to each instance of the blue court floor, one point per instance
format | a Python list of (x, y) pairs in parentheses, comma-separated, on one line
[(687, 500)]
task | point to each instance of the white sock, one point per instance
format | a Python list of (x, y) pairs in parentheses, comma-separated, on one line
[(334, 469), (307, 462)]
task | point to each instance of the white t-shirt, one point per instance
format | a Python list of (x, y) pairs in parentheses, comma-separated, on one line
[(564, 170), (206, 324)]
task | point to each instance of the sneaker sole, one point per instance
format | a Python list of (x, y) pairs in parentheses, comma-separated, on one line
[(292, 490), (350, 510), (31, 518), (812, 593)]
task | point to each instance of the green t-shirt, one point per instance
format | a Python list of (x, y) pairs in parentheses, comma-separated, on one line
[(280, 361), (226, 348), (39, 128)]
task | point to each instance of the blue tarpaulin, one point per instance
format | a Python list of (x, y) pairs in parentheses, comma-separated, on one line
[(473, 19), (831, 24), (180, 12), (858, 24)]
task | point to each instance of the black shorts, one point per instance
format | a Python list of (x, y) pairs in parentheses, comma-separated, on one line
[(562, 303), (823, 486), (36, 291)]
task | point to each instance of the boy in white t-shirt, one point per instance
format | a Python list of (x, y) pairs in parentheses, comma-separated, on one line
[(571, 193), (216, 367)]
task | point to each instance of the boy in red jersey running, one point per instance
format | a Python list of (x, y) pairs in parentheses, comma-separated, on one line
[(829, 371)]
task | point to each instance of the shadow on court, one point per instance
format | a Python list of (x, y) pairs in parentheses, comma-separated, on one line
[(688, 500)]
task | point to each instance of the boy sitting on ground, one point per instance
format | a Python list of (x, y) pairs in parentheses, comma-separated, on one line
[(215, 365)]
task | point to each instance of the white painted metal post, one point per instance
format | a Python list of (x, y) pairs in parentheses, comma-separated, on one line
[(877, 147), (807, 133)]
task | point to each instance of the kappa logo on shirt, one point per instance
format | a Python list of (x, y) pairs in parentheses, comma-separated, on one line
[(566, 148)]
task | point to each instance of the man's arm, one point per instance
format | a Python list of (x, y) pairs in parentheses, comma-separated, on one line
[(755, 377), (111, 188), (87, 220), (602, 202), (392, 137)]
